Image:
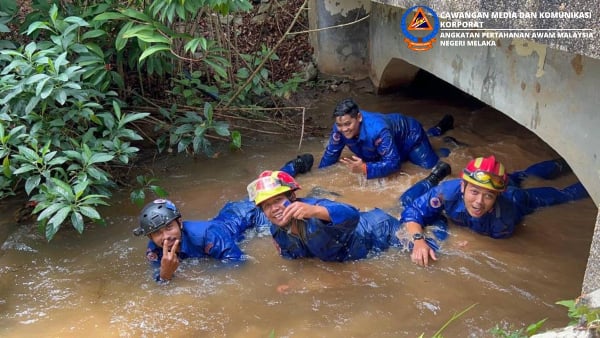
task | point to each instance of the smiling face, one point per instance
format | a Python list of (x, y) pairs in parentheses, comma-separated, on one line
[(168, 233), (349, 126), (478, 200), (273, 209)]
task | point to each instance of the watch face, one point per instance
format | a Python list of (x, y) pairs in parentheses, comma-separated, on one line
[(417, 236)]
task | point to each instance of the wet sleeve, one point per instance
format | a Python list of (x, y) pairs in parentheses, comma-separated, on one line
[(424, 209), (390, 158), (238, 216), (334, 148), (221, 245), (342, 215)]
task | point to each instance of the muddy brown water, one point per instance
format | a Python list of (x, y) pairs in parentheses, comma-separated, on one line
[(98, 284)]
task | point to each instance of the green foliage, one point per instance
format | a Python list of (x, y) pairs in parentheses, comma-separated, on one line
[(7, 11), (438, 333), (138, 196), (60, 130), (532, 329), (148, 35), (581, 314), (190, 130)]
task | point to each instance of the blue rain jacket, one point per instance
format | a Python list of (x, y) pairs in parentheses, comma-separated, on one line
[(383, 143), (217, 238), (203, 239), (500, 222), (240, 216), (351, 234)]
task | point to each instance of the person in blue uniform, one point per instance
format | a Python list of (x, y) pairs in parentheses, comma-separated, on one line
[(173, 239), (485, 199), (380, 142), (320, 228)]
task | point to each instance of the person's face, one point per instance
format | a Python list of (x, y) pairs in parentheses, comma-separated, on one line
[(273, 209), (478, 201), (168, 233), (348, 126)]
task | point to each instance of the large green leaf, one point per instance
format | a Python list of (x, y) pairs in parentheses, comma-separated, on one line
[(77, 221), (100, 158), (109, 16), (132, 13), (152, 50), (95, 33), (32, 183), (49, 211), (89, 212)]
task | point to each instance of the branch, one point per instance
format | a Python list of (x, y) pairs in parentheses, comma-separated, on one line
[(268, 56), (331, 27)]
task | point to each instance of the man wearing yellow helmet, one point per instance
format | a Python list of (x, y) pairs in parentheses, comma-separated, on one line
[(320, 228), (486, 200), (172, 239)]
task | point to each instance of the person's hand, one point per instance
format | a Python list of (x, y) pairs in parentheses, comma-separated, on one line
[(169, 261), (301, 210), (421, 253), (354, 163)]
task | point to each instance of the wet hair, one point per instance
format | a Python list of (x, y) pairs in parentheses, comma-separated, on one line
[(291, 195), (346, 107)]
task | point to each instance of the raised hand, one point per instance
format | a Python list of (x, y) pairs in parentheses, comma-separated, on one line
[(169, 261)]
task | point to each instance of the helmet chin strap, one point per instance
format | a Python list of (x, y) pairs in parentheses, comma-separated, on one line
[(296, 228)]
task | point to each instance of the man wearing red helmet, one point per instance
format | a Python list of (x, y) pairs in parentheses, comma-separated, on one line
[(486, 200), (320, 228)]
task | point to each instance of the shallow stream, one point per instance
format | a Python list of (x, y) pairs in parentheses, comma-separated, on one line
[(98, 284)]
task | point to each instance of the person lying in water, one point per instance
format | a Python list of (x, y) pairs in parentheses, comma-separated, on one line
[(320, 228), (172, 239), (380, 142), (485, 199)]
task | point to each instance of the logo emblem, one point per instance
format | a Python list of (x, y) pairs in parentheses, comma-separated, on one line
[(435, 202), (424, 32), (337, 137)]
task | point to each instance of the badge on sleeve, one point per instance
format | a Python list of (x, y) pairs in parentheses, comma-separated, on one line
[(337, 137), (435, 202)]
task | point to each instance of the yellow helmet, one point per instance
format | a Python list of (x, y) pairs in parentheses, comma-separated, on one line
[(271, 183)]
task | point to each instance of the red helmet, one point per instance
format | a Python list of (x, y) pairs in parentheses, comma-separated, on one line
[(271, 183), (487, 173)]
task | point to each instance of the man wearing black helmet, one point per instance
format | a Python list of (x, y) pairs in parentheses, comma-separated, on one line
[(173, 239), (381, 142)]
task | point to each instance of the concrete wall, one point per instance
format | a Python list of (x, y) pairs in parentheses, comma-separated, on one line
[(552, 87), (553, 93), (341, 48)]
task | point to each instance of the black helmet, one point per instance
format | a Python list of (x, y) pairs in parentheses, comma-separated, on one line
[(156, 215)]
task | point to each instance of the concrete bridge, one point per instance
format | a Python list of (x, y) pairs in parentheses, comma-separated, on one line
[(548, 82)]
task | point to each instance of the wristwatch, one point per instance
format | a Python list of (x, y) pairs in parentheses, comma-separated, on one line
[(418, 236)]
